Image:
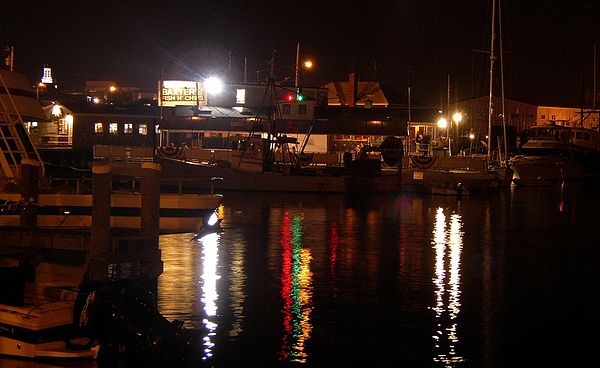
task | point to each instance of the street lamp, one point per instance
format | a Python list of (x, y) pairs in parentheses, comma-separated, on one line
[(442, 123), (457, 118), (307, 64), (471, 137)]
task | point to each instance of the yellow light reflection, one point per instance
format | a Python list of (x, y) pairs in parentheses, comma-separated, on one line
[(447, 289), (237, 277), (210, 260)]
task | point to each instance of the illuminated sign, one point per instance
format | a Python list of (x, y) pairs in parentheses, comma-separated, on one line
[(181, 93)]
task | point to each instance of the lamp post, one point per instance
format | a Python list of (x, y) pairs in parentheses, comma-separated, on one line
[(442, 123), (308, 64), (457, 118), (471, 137)]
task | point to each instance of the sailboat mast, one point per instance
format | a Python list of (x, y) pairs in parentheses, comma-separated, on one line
[(502, 80), (492, 59)]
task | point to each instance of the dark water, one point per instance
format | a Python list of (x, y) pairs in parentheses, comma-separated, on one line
[(493, 280)]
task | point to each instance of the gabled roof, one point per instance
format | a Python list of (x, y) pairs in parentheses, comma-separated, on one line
[(350, 93)]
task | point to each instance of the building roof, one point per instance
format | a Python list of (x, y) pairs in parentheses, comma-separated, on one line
[(354, 92)]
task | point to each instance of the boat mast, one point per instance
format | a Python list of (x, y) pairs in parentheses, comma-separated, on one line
[(492, 59), (502, 81)]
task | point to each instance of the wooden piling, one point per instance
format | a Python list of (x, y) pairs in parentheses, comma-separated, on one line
[(30, 176), (150, 224), (150, 207), (100, 242)]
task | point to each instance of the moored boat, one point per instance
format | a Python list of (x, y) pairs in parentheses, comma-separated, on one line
[(555, 153), (43, 330)]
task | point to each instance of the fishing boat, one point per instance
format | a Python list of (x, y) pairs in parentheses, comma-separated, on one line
[(555, 153)]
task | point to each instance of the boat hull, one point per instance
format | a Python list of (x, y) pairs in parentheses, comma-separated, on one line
[(543, 170), (454, 179), (33, 331), (313, 180)]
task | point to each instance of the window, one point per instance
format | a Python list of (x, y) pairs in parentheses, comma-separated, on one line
[(301, 109), (128, 128), (99, 128), (553, 117), (63, 127), (143, 129), (543, 116), (240, 96), (113, 128), (286, 109)]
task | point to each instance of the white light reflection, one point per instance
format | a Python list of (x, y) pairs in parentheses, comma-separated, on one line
[(210, 260), (447, 305)]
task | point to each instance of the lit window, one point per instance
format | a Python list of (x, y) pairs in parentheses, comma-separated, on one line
[(143, 129), (240, 96), (128, 128), (301, 109), (113, 128), (99, 128)]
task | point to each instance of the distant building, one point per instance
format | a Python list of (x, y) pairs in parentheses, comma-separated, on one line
[(568, 116)]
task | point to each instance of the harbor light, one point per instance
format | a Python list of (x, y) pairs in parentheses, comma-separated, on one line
[(457, 117), (213, 85), (308, 64)]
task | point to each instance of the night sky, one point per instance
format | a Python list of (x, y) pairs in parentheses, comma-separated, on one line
[(548, 46)]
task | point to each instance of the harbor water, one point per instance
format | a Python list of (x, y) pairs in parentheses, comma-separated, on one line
[(504, 279)]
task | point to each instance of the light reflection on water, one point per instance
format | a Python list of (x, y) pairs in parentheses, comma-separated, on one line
[(296, 290), (208, 285), (447, 287), (327, 281)]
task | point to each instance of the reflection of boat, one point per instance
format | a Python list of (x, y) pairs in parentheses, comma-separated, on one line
[(74, 211), (555, 153), (43, 330)]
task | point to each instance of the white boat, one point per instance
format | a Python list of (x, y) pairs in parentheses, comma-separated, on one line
[(43, 330), (178, 213), (555, 153)]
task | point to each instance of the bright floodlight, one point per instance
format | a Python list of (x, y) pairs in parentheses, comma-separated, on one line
[(442, 123), (213, 85), (308, 64), (457, 117), (213, 219)]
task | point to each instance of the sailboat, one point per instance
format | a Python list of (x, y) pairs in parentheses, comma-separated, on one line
[(502, 167)]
